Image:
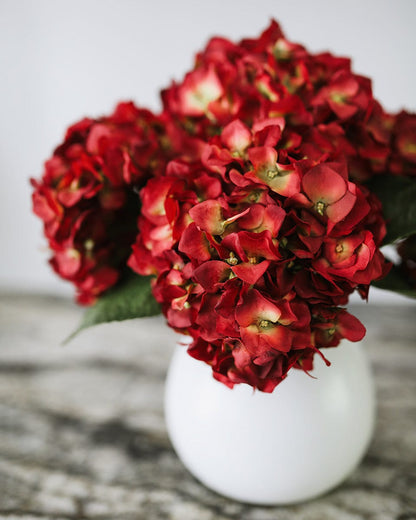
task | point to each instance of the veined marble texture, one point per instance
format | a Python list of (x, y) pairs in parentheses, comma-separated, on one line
[(82, 434)]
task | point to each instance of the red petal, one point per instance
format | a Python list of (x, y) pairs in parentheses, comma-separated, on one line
[(260, 343), (194, 243), (256, 307), (236, 136), (261, 218), (340, 209), (153, 198), (338, 250), (67, 262), (273, 218), (208, 216), (350, 327), (200, 88), (268, 131), (250, 273), (324, 184), (263, 157), (282, 179), (210, 274), (207, 187), (97, 132)]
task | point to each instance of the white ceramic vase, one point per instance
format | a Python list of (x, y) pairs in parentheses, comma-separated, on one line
[(289, 446)]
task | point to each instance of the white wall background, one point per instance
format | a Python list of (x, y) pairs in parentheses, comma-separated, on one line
[(61, 60)]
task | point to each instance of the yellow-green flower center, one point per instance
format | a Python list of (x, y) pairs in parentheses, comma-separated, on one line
[(320, 207), (232, 259), (265, 324), (89, 244)]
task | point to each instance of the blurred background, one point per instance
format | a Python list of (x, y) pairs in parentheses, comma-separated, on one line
[(61, 61)]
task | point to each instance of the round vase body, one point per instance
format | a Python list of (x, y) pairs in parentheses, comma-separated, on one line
[(285, 447)]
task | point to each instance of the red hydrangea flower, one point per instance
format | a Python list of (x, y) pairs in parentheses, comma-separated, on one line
[(86, 199), (248, 271), (267, 255), (254, 220), (259, 230)]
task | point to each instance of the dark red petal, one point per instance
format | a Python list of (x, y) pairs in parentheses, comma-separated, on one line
[(210, 274), (350, 327), (194, 243)]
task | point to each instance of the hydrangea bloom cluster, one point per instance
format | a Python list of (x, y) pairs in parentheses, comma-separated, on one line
[(254, 256), (328, 110), (253, 219), (86, 199), (257, 233)]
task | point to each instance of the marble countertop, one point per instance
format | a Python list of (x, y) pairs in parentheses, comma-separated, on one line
[(82, 434)]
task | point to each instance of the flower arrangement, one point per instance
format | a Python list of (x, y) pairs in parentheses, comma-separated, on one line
[(251, 207)]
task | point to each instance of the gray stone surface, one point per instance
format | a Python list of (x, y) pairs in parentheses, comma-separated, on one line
[(82, 434)]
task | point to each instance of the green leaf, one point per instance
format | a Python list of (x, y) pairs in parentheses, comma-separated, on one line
[(397, 283), (398, 197), (130, 299)]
